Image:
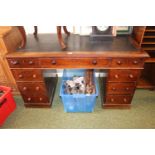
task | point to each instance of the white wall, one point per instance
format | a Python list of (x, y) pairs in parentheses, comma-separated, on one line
[(45, 29), (83, 30)]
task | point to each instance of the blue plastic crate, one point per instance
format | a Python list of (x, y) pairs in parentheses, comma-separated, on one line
[(77, 102)]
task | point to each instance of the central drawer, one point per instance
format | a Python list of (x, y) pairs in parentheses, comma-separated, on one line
[(74, 62), (27, 74)]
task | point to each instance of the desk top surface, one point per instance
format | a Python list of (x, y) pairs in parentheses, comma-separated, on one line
[(49, 42), (47, 45)]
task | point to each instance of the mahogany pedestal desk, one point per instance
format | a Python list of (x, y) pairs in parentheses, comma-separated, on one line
[(122, 61)]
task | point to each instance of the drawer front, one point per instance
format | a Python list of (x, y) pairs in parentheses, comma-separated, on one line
[(40, 98), (29, 87), (120, 88), (27, 75), (136, 62), (119, 62), (133, 62), (23, 62), (127, 75), (74, 62), (118, 99)]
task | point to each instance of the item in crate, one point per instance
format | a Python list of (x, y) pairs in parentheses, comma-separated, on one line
[(79, 80), (90, 87), (75, 86), (69, 84), (81, 85)]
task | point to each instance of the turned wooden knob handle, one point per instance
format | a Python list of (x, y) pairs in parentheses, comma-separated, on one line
[(119, 62), (114, 88), (116, 76), (135, 62), (29, 99), (20, 75), (14, 62), (37, 88), (125, 100), (112, 100), (94, 62), (31, 62), (40, 99), (53, 62), (34, 75), (24, 88), (127, 88), (131, 76)]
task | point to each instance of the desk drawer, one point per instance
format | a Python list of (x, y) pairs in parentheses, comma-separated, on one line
[(23, 62), (127, 62), (40, 98), (120, 88), (74, 62), (32, 87), (126, 75), (27, 75), (118, 99)]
